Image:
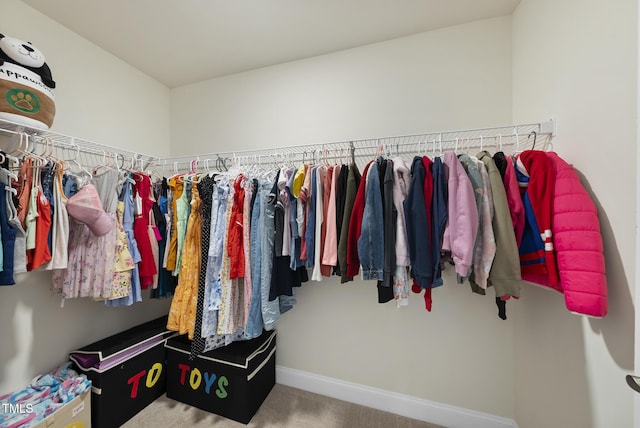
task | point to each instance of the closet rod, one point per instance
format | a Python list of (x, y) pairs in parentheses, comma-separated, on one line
[(426, 142), (68, 142)]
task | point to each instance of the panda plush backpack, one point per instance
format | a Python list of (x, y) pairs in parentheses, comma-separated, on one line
[(26, 85)]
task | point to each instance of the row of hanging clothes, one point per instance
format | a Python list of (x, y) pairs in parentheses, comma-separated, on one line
[(93, 227), (243, 240), (115, 238), (233, 245)]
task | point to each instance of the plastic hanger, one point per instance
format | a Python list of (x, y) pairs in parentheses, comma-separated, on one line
[(13, 176), (105, 163), (499, 142), (151, 170), (29, 151), (82, 172), (515, 131)]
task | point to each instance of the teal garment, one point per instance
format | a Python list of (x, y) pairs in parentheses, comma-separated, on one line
[(183, 208)]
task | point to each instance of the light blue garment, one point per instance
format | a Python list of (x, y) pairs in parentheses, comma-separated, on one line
[(70, 186), (127, 223), (270, 309), (213, 288), (255, 321), (288, 302)]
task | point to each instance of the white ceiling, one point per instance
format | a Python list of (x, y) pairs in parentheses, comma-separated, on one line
[(179, 42)]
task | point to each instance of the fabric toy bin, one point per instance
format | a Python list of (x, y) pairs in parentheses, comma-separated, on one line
[(127, 372), (231, 381), (75, 414)]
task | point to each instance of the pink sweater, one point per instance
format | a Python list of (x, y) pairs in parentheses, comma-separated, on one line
[(330, 254), (462, 224)]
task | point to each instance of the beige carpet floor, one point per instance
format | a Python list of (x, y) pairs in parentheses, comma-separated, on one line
[(284, 407)]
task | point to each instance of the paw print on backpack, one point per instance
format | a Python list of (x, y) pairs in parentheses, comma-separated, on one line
[(23, 100)]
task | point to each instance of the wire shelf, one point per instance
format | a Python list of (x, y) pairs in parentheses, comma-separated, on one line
[(509, 138)]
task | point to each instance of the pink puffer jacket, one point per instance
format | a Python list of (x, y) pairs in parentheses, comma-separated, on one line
[(578, 243)]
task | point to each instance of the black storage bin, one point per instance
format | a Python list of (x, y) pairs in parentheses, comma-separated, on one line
[(231, 381), (127, 372)]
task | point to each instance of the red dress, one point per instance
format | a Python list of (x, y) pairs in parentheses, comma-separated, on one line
[(40, 254), (144, 204), (235, 237)]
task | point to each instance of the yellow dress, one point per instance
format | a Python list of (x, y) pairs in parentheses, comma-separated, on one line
[(177, 186), (121, 282), (182, 314)]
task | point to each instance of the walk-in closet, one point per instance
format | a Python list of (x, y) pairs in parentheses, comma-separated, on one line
[(437, 223)]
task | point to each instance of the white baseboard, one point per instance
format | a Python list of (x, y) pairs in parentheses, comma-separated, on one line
[(388, 401)]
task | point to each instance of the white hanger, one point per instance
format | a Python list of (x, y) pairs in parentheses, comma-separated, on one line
[(84, 173)]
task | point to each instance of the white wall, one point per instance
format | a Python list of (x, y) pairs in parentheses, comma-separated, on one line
[(459, 77), (98, 98), (454, 78), (576, 61)]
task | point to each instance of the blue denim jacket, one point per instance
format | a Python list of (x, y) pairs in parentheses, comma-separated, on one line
[(418, 227), (371, 241)]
